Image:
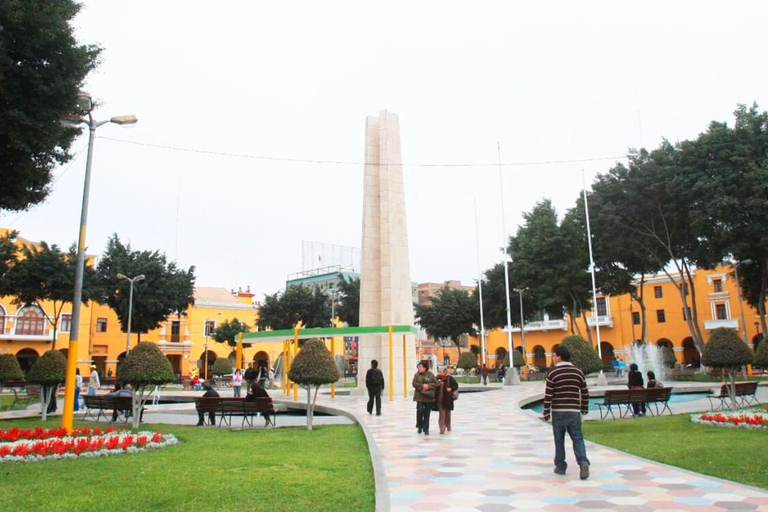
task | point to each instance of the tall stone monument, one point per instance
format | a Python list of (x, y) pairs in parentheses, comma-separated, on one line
[(385, 281)]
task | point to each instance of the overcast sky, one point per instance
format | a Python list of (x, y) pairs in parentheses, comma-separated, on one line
[(295, 80)]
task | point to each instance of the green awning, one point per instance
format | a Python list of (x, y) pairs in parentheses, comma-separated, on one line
[(324, 332)]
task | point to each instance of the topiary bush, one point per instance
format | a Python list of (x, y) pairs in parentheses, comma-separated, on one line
[(10, 369), (668, 358), (143, 369), (221, 367), (49, 371), (475, 349), (726, 350), (313, 367), (519, 360), (761, 355), (583, 355), (467, 361)]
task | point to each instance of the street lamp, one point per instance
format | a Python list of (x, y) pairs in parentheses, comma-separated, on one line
[(85, 107), (738, 291), (136, 279), (506, 272)]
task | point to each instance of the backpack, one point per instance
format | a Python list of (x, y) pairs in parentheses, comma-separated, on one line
[(377, 379)]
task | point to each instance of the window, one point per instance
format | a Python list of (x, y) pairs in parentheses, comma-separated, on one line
[(101, 325), (660, 316), (636, 317), (602, 309), (718, 284), (66, 323), (31, 322), (175, 331), (210, 325), (720, 312), (657, 292)]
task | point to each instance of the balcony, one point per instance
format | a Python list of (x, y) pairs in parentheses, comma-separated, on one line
[(601, 320), (543, 325), (730, 323)]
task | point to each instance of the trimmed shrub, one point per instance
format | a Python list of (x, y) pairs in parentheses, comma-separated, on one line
[(519, 359), (221, 366), (49, 371), (313, 367), (475, 349), (761, 355), (144, 368), (467, 361), (668, 358), (10, 369), (726, 350), (583, 355)]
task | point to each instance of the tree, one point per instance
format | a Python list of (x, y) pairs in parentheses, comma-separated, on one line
[(668, 358), (452, 314), (144, 368), (348, 308), (42, 68), (518, 361), (475, 349), (47, 274), (494, 301), (583, 356), (49, 371), (726, 350), (8, 258), (312, 368), (10, 369), (467, 361), (228, 331), (761, 355), (220, 368), (166, 289), (297, 303)]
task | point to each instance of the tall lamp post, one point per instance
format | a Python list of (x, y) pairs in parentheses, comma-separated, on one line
[(136, 279), (85, 107), (522, 320), (738, 291), (513, 375)]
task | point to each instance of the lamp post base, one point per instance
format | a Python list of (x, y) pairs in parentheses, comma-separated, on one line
[(601, 380)]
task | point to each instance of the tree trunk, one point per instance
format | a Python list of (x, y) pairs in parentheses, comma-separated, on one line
[(137, 404), (46, 393), (732, 388), (589, 331), (309, 407), (643, 317)]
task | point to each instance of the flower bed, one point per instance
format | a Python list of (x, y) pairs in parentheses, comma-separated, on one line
[(94, 443), (750, 420), (15, 434)]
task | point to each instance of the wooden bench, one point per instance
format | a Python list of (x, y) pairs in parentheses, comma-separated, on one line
[(102, 403), (745, 395), (623, 399), (228, 407), (23, 392)]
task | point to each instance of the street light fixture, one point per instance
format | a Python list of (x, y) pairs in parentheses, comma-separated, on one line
[(738, 291), (136, 279), (85, 106)]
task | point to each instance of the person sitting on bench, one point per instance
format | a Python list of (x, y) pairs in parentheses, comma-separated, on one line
[(120, 391), (256, 391), (209, 393)]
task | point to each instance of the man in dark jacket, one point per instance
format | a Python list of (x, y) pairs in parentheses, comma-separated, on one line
[(374, 381), (566, 399), (250, 375), (209, 393)]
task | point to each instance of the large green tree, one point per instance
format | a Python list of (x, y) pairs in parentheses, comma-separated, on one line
[(42, 68), (228, 331), (348, 307), (282, 310), (166, 289), (47, 274), (452, 314), (494, 301), (8, 257)]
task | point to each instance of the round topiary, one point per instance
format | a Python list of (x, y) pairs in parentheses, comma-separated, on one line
[(146, 365), (314, 365), (725, 349), (583, 356), (467, 361), (10, 369), (668, 358), (49, 370), (761, 355), (519, 359), (221, 367)]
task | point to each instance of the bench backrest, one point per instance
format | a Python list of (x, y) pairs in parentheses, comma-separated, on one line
[(742, 388), (261, 404), (658, 394), (616, 396)]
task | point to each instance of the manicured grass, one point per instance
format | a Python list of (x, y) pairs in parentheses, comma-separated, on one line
[(733, 454), (7, 399), (288, 469)]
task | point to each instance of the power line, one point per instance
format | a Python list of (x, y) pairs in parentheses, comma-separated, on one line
[(343, 162)]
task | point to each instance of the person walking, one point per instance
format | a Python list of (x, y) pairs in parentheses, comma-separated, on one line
[(635, 381), (78, 385), (93, 381), (566, 399), (374, 382), (250, 375), (448, 388), (484, 373), (621, 366), (237, 383), (209, 393), (424, 386)]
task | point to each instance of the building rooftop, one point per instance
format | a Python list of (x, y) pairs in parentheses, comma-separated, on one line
[(216, 297)]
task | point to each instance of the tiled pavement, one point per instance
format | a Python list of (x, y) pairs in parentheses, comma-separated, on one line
[(500, 458)]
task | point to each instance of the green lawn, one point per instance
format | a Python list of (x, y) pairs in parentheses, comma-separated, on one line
[(733, 454), (7, 399), (287, 469)]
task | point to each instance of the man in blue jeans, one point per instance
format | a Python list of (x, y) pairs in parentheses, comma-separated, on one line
[(566, 399)]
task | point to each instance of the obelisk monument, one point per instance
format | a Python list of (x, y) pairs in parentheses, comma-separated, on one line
[(385, 280)]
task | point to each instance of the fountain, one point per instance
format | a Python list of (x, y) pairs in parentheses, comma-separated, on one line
[(649, 357)]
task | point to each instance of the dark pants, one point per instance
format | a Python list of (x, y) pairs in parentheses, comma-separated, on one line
[(570, 422), (52, 405), (423, 410), (211, 418), (374, 394)]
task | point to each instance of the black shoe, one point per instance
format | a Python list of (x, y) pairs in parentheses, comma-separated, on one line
[(419, 430), (426, 432), (199, 425), (584, 471), (559, 471), (378, 413)]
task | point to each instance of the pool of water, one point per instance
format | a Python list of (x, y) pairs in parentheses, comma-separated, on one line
[(674, 399)]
